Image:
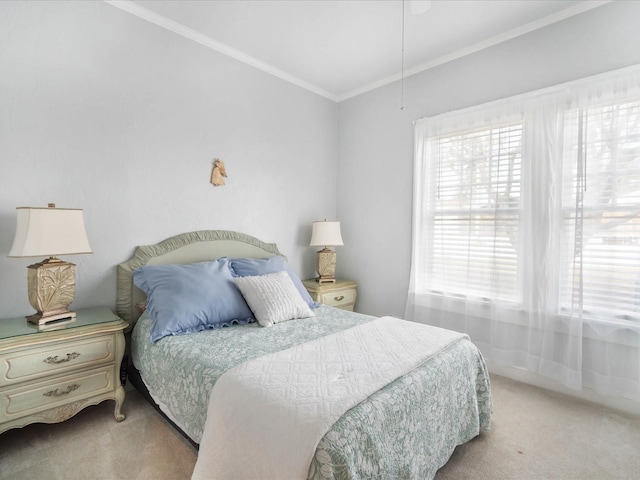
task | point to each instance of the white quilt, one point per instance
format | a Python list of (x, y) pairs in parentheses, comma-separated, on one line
[(266, 416)]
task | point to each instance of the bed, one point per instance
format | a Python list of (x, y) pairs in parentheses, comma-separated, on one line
[(407, 428)]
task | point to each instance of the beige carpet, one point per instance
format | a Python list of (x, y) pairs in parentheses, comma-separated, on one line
[(536, 434)]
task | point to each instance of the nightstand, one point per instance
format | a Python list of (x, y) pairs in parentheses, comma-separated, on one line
[(341, 294), (49, 376)]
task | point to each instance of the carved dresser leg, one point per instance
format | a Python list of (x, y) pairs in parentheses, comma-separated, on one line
[(119, 400)]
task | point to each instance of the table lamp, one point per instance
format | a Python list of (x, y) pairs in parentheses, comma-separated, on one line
[(51, 283), (326, 234)]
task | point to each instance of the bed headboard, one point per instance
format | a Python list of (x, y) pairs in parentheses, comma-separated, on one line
[(184, 248)]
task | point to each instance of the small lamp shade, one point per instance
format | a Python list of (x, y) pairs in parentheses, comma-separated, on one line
[(51, 283), (326, 234)]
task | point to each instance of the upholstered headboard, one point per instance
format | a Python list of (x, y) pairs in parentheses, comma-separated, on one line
[(184, 248)]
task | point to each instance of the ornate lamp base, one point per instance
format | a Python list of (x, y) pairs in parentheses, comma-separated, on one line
[(51, 286), (326, 265)]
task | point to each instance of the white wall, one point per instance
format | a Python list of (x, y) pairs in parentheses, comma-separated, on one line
[(375, 144), (103, 111)]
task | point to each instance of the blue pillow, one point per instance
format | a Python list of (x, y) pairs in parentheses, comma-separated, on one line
[(251, 267), (189, 298)]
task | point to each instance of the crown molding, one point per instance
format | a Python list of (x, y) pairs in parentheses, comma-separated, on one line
[(184, 31), (516, 32), (177, 28)]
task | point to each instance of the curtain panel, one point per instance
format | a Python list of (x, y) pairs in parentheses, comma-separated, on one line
[(526, 230)]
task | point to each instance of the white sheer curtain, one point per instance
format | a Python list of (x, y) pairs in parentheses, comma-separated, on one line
[(526, 230)]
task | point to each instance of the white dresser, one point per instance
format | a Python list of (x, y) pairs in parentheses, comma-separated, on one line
[(49, 376)]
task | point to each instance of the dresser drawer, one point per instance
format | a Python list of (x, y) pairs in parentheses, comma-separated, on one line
[(339, 298), (47, 360), (39, 396)]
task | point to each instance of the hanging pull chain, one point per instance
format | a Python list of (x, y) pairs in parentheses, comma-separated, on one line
[(402, 63), (584, 147)]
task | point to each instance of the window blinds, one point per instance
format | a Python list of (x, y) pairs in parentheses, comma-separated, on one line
[(474, 217), (601, 211), (474, 213)]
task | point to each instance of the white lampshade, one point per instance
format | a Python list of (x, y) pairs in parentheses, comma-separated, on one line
[(326, 234), (49, 232)]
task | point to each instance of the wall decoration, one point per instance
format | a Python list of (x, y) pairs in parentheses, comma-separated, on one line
[(218, 172)]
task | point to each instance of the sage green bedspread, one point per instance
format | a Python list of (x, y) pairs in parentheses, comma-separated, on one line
[(406, 430)]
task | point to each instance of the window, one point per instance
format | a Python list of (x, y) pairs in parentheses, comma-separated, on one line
[(473, 213), (474, 220), (601, 211)]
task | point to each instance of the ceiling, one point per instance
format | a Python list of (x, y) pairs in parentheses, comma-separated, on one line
[(341, 48)]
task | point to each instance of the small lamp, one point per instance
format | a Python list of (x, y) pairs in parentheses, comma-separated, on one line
[(51, 283), (326, 234)]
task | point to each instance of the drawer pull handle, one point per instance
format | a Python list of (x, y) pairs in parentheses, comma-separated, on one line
[(56, 360), (55, 393), (339, 299)]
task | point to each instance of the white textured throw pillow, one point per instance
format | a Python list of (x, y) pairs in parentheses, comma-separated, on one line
[(273, 298)]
